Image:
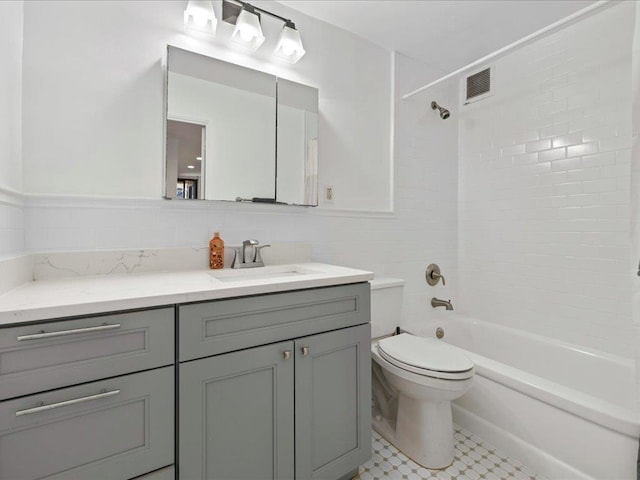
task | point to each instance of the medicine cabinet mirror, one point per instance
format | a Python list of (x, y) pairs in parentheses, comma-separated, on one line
[(237, 134)]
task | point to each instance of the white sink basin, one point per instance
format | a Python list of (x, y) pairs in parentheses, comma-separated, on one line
[(262, 273)]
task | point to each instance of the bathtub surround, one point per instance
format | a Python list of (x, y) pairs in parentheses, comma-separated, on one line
[(544, 188)]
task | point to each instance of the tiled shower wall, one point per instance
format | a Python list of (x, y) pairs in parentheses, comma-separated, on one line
[(544, 187)]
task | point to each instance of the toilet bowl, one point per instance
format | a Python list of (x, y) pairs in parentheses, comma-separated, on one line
[(415, 380)]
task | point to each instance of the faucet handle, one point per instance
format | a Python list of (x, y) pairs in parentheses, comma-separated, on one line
[(250, 242), (258, 258), (436, 276), (433, 275)]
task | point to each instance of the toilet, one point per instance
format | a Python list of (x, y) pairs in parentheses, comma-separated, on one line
[(414, 381)]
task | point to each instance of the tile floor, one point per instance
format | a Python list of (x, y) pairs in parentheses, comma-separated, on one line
[(474, 460)]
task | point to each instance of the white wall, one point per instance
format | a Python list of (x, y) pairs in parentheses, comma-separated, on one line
[(635, 186), (423, 230), (104, 99), (11, 13), (94, 127), (544, 179), (11, 216)]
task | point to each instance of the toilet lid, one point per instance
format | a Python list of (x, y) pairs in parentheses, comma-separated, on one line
[(425, 353)]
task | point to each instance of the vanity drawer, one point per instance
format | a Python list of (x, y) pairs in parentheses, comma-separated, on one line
[(111, 429), (35, 358), (222, 326)]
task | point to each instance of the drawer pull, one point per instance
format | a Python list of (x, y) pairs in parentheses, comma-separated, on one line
[(305, 351), (43, 408), (62, 333)]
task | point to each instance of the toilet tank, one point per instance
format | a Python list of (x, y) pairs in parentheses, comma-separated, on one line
[(386, 305)]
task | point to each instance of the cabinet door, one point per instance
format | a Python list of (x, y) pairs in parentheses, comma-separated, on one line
[(112, 429), (236, 415), (333, 403)]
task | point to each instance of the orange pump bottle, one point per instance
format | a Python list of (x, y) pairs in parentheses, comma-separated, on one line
[(216, 251)]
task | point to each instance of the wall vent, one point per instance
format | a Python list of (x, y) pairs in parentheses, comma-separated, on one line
[(478, 85)]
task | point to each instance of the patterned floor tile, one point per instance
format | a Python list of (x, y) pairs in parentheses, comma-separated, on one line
[(474, 459)]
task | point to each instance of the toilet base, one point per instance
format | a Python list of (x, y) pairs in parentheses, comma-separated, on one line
[(424, 432)]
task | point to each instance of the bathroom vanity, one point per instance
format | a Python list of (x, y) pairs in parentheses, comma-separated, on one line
[(254, 377)]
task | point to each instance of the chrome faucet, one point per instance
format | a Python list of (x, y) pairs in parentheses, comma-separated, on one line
[(248, 255), (436, 302)]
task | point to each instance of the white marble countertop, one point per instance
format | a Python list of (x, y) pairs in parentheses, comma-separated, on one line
[(67, 297)]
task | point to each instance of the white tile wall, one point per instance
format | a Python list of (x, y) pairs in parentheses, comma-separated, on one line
[(11, 230), (422, 230), (544, 187), (635, 186)]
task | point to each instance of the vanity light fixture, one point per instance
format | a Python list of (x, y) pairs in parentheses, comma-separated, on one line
[(289, 46), (199, 159), (190, 166), (200, 17), (248, 30)]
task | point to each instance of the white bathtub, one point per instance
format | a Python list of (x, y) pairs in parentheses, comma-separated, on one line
[(566, 411)]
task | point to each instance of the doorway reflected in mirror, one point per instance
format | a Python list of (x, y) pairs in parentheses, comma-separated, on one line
[(185, 159)]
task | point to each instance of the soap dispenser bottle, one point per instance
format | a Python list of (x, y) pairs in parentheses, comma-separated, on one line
[(216, 251)]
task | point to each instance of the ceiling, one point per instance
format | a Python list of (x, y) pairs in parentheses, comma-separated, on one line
[(444, 34)]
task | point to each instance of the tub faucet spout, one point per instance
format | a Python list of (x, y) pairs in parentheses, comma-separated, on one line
[(436, 302)]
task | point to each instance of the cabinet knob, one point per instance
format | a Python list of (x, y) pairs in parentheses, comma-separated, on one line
[(286, 354), (305, 351)]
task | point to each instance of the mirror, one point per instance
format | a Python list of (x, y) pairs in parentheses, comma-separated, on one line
[(237, 134)]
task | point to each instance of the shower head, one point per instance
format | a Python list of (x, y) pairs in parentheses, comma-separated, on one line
[(444, 113)]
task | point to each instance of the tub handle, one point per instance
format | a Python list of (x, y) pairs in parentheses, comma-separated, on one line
[(433, 275)]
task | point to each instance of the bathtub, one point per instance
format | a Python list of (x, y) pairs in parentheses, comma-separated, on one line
[(566, 411)]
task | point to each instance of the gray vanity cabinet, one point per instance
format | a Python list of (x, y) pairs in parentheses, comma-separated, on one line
[(296, 408), (238, 410), (237, 414)]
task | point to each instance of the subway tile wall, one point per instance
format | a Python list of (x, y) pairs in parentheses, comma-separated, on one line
[(12, 234), (422, 230), (544, 187)]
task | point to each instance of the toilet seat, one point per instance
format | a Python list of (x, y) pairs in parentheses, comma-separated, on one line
[(426, 356)]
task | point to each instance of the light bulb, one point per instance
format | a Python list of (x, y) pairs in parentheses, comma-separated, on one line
[(289, 46), (199, 20), (246, 35), (199, 17), (248, 31), (288, 49)]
